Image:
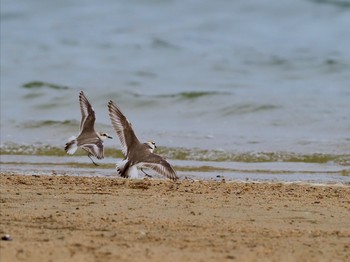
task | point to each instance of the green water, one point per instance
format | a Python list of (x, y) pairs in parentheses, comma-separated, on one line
[(190, 154), (189, 163)]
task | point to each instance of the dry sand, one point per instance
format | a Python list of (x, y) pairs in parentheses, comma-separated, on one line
[(60, 218)]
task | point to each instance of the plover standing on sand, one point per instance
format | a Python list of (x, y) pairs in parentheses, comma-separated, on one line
[(88, 139), (136, 154)]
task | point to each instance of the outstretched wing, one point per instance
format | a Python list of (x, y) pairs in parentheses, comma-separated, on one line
[(160, 165), (123, 128), (87, 114)]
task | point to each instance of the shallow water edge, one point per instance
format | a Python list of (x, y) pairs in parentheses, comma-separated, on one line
[(196, 164)]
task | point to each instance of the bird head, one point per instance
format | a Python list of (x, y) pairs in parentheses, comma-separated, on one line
[(103, 136), (151, 145)]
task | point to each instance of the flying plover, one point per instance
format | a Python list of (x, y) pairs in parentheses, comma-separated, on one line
[(136, 154), (88, 139)]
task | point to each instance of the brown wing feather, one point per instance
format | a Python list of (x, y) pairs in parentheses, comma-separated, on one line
[(87, 114), (123, 128), (160, 165), (95, 149)]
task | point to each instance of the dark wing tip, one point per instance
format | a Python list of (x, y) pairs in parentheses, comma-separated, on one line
[(170, 171), (112, 107), (124, 175), (82, 95), (111, 104), (174, 177), (118, 170), (100, 154), (114, 111), (83, 99)]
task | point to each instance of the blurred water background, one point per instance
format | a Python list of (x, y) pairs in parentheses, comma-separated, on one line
[(226, 81)]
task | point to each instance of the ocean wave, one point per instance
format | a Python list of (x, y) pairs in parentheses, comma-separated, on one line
[(192, 95), (180, 95), (241, 109), (158, 43), (193, 154), (40, 84), (338, 3), (48, 123), (189, 95)]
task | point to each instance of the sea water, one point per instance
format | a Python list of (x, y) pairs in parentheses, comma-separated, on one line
[(230, 82)]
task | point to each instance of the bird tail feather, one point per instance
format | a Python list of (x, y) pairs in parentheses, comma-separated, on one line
[(125, 170), (71, 146)]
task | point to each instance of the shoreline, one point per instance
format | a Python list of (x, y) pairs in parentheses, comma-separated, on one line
[(107, 219), (191, 179), (275, 172)]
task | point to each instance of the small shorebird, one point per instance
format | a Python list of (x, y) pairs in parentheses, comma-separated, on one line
[(88, 139), (136, 154)]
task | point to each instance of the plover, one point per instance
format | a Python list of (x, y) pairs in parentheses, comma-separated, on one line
[(88, 139), (136, 154)]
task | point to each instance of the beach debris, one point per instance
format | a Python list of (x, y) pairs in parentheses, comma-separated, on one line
[(6, 237)]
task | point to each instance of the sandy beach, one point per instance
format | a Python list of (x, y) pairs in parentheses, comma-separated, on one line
[(61, 218)]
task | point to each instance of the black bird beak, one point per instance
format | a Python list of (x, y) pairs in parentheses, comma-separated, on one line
[(155, 146), (110, 137)]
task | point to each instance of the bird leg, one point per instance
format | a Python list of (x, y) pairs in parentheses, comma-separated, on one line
[(145, 173), (89, 155)]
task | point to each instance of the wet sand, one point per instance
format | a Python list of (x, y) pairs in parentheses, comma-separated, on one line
[(60, 218)]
